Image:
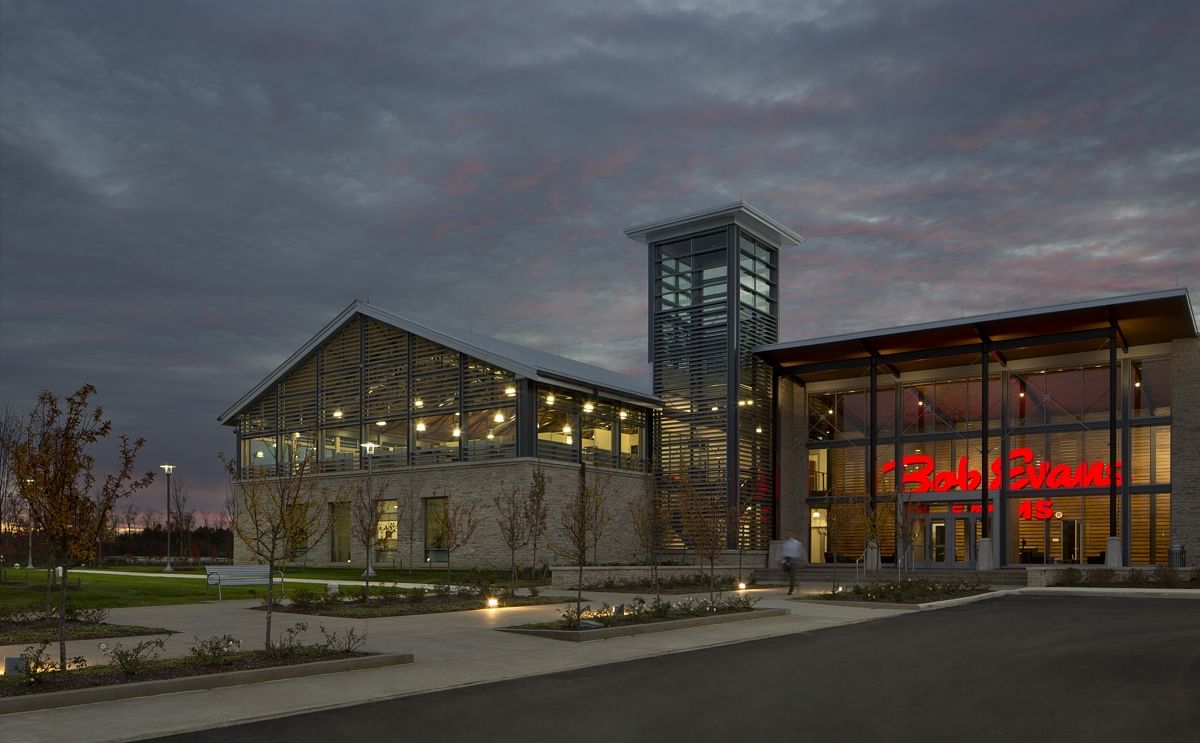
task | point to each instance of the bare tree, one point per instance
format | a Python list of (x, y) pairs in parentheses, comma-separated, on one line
[(53, 465), (272, 514), (10, 428), (407, 513), (535, 518), (581, 518), (651, 518), (457, 524), (514, 529), (705, 526), (183, 516), (130, 516), (366, 506)]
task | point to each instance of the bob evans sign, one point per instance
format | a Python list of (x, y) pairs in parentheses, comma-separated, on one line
[(1023, 472)]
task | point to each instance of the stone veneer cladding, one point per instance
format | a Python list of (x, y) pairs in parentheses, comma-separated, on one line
[(480, 482), (1185, 446)]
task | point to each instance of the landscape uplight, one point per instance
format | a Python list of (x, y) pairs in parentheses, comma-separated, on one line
[(493, 602)]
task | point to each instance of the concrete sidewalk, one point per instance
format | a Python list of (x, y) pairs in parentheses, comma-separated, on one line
[(451, 650)]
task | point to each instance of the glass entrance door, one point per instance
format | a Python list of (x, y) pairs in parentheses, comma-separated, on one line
[(948, 541), (937, 541)]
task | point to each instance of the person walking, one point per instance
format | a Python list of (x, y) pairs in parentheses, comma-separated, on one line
[(792, 551)]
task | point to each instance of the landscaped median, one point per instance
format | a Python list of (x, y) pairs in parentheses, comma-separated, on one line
[(137, 669), (914, 593), (639, 617)]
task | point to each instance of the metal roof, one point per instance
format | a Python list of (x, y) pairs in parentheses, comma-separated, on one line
[(524, 362), (738, 212), (1140, 319)]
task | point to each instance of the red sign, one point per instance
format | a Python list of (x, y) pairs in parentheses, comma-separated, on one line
[(1023, 472), (1041, 510)]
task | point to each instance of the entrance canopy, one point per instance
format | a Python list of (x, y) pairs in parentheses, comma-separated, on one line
[(1137, 319)]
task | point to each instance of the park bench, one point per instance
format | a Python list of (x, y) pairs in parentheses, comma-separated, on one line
[(238, 575)]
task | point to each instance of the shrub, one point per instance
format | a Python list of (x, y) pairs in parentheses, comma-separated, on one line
[(93, 616), (1102, 576), (289, 644), (417, 595), (136, 659), (1137, 578), (35, 662), (1070, 577), (1165, 576), (215, 651), (342, 642), (305, 599)]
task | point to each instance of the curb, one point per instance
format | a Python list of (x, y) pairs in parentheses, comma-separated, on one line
[(643, 629), (115, 692), (1122, 593)]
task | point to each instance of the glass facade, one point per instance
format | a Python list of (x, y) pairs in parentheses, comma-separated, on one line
[(422, 403), (714, 299), (1047, 463)]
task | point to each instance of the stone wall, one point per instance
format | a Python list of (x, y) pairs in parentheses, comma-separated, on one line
[(479, 483), (565, 577), (1185, 446), (793, 462)]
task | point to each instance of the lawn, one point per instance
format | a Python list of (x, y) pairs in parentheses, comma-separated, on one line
[(91, 591), (387, 575)]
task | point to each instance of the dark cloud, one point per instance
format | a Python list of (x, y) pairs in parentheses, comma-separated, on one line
[(188, 191)]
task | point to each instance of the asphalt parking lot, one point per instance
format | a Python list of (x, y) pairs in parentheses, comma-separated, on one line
[(1014, 668)]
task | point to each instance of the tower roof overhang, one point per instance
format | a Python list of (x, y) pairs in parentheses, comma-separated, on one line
[(739, 213)]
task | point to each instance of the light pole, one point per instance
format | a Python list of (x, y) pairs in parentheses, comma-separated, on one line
[(370, 448), (168, 468)]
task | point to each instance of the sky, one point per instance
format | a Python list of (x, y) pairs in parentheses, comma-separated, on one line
[(189, 191)]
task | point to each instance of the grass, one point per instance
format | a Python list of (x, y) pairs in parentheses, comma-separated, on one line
[(387, 575), (114, 591)]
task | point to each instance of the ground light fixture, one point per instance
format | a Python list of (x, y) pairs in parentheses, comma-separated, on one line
[(742, 585), (168, 468), (493, 602)]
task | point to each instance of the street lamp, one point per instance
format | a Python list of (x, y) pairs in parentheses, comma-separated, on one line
[(370, 448), (168, 468)]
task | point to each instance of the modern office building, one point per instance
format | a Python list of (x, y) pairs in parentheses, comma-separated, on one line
[(1082, 446)]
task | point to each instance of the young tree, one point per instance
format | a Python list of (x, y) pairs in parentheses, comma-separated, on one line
[(514, 529), (407, 513), (271, 513), (651, 518), (580, 519), (366, 506), (10, 428), (704, 524), (535, 518), (457, 523), (184, 517), (53, 465)]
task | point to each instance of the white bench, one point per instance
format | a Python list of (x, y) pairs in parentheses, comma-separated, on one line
[(238, 575)]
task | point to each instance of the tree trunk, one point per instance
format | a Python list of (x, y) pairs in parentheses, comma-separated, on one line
[(270, 601), (512, 579)]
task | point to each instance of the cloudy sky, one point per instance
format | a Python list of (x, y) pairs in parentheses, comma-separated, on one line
[(189, 191)]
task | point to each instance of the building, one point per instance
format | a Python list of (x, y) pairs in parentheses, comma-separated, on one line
[(885, 445)]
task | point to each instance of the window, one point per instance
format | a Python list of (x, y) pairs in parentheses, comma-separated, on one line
[(435, 531)]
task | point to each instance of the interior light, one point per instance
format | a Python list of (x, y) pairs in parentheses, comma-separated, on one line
[(381, 423), (418, 403), (258, 455), (758, 429), (623, 415), (741, 403), (566, 428), (714, 407), (510, 391), (498, 417), (1137, 384), (570, 441), (831, 411), (337, 414), (921, 403), (749, 403), (550, 398), (1021, 393), (456, 432), (296, 435), (588, 407), (421, 426), (491, 435)]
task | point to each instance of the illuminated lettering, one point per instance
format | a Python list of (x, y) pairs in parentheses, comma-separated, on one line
[(1024, 471)]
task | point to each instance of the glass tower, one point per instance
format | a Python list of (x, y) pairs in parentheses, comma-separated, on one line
[(713, 299)]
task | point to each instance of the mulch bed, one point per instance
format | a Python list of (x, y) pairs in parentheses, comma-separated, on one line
[(158, 670), (16, 633), (430, 604)]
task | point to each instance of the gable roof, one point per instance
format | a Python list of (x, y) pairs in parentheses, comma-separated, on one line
[(525, 362)]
